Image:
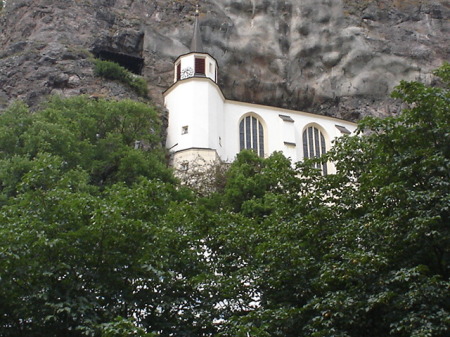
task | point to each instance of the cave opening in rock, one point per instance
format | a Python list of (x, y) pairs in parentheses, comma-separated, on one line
[(129, 62)]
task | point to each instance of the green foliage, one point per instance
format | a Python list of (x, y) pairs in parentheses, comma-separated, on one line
[(96, 239), (113, 71), (74, 260), (251, 181), (85, 247), (95, 136), (123, 328), (139, 85), (444, 73), (364, 252)]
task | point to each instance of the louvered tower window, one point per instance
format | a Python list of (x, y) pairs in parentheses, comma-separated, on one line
[(314, 146), (199, 66), (178, 71), (251, 135)]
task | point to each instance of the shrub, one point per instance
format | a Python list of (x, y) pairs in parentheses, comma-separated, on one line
[(113, 71), (139, 85)]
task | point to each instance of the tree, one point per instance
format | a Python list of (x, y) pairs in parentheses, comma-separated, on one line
[(85, 248), (110, 141), (364, 252), (97, 238)]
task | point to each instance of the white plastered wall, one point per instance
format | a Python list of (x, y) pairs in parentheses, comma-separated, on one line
[(188, 66), (196, 116), (213, 122), (281, 134)]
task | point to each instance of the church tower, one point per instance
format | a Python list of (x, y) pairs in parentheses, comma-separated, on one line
[(197, 62), (205, 128), (195, 105)]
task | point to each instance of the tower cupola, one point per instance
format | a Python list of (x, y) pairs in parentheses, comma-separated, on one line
[(196, 63)]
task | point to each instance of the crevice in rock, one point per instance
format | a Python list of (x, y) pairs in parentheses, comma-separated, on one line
[(129, 62)]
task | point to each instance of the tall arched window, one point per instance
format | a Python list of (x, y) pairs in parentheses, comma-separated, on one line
[(314, 146), (251, 135)]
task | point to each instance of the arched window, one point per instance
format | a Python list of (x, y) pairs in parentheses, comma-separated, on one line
[(251, 135), (314, 146)]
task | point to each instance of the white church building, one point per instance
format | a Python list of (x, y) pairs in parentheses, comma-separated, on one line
[(203, 124)]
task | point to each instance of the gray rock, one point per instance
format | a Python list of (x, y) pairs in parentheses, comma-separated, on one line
[(334, 57)]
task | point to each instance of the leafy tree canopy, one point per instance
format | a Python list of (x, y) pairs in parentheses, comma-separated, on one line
[(364, 252), (84, 248), (97, 239), (108, 141)]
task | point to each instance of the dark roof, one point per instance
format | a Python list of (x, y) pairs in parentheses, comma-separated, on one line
[(196, 44)]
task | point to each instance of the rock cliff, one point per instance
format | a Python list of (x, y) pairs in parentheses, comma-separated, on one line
[(335, 57)]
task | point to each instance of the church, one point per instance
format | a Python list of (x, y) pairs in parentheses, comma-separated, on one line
[(203, 124)]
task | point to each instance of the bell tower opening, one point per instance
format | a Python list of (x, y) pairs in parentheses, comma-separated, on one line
[(199, 66)]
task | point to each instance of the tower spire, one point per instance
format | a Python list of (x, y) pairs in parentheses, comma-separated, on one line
[(196, 43)]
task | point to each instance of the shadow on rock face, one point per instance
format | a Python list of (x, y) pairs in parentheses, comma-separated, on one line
[(317, 55)]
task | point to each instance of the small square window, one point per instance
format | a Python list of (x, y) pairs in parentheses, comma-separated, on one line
[(184, 130)]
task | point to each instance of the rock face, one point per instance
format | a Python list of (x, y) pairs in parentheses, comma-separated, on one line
[(335, 57)]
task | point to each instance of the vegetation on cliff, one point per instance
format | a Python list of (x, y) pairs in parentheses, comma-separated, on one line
[(98, 239), (113, 71)]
